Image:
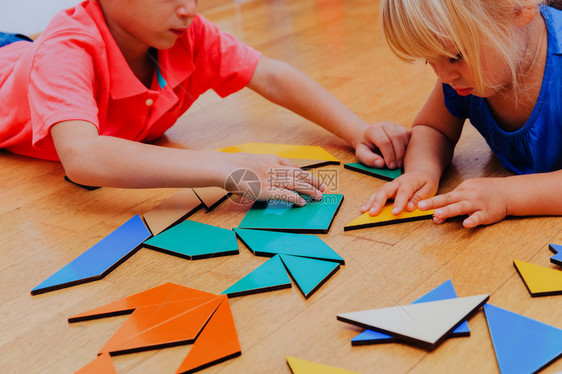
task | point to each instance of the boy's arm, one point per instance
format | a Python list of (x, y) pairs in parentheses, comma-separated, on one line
[(91, 159), (282, 84)]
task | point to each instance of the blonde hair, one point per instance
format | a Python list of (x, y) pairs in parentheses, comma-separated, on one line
[(432, 28)]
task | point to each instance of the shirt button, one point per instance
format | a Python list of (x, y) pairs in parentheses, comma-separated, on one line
[(149, 102)]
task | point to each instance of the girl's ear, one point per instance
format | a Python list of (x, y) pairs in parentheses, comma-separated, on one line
[(523, 17)]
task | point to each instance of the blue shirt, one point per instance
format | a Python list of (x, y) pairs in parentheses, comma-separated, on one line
[(537, 146)]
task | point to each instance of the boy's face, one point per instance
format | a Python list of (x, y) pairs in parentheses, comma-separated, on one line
[(150, 23)]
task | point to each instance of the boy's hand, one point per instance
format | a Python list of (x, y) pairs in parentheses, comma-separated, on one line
[(270, 177), (390, 139), (484, 200), (406, 190)]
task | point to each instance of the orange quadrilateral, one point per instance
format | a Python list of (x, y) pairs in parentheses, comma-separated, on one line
[(163, 328), (217, 342), (167, 292)]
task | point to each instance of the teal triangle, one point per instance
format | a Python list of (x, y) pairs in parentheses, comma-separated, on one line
[(269, 243), (444, 291), (268, 277), (309, 274), (382, 173), (522, 345), (195, 240), (557, 250)]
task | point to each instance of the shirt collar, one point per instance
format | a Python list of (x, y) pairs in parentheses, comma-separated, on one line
[(176, 63)]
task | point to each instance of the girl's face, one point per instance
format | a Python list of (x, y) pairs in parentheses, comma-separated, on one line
[(148, 23), (459, 75)]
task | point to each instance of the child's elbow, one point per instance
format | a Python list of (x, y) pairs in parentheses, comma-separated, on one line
[(79, 166)]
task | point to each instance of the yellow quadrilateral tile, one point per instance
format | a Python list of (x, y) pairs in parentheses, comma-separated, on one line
[(308, 152), (540, 281), (300, 366), (385, 217)]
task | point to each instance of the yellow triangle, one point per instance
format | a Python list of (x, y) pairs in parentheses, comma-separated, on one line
[(386, 217), (300, 366), (308, 152), (539, 280)]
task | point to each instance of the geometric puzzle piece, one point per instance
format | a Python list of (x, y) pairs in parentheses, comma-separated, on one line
[(102, 364), (425, 324), (522, 344), (150, 317), (154, 296), (306, 152), (381, 173), (309, 164), (270, 243), (277, 215), (172, 210), (155, 331), (195, 240), (217, 342), (385, 217), (100, 259), (309, 274), (441, 292), (557, 250), (270, 276), (540, 281), (210, 197), (300, 366)]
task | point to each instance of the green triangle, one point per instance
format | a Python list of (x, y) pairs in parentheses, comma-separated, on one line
[(269, 243), (195, 240), (308, 273), (382, 173), (268, 277)]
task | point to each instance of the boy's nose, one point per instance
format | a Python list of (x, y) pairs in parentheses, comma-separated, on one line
[(187, 9)]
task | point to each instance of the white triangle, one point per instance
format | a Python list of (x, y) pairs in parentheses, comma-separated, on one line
[(426, 324)]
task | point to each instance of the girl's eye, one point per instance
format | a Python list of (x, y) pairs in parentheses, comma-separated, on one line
[(455, 59)]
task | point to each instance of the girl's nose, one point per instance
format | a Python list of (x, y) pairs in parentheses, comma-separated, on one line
[(446, 72)]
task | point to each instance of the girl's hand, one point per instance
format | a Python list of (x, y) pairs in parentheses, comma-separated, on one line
[(269, 177), (390, 139), (483, 200), (406, 190)]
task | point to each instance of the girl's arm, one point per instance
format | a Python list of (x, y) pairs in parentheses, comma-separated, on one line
[(489, 200), (282, 84), (95, 160), (435, 133)]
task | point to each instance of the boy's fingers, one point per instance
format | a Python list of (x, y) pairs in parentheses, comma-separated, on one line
[(368, 157), (422, 193), (277, 193), (380, 138)]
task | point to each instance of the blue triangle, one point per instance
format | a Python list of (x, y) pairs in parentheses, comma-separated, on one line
[(269, 243), (268, 277), (522, 345), (444, 291), (100, 259), (557, 258), (309, 274)]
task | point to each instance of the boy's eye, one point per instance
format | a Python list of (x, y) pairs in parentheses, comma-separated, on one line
[(455, 59)]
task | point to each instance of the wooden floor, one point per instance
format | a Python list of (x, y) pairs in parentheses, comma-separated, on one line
[(46, 222)]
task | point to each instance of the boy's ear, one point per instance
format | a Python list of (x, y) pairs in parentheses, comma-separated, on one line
[(524, 16)]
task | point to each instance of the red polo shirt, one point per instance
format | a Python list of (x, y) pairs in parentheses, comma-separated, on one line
[(75, 71)]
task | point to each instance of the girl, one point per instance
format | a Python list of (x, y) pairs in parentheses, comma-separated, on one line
[(498, 64), (108, 75)]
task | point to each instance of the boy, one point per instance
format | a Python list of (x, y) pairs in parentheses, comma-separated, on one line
[(107, 75)]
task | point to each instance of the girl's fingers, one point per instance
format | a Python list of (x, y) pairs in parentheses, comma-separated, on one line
[(438, 201), (277, 193), (452, 210)]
